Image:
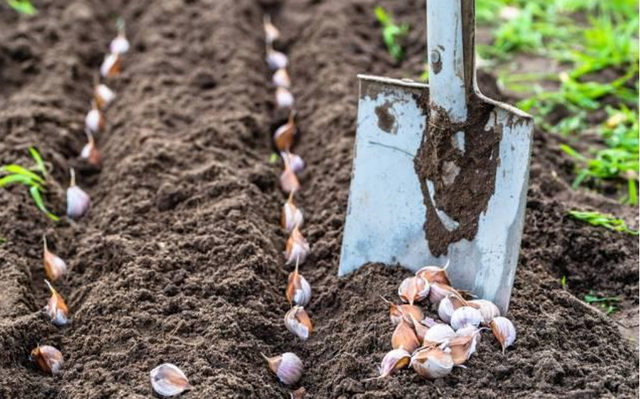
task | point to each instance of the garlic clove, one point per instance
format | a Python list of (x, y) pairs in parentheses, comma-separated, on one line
[(487, 309), (281, 78), (56, 309), (393, 361), (168, 380), (298, 322), (438, 291), (397, 312), (90, 150), (420, 329), (288, 367), (271, 33), (298, 289), (291, 215), (276, 59), (405, 337), (435, 274), (432, 363), (465, 316), (48, 358), (297, 248), (504, 330), (289, 182), (295, 161), (284, 98), (103, 95), (111, 65), (448, 305), (283, 136), (463, 346), (119, 45), (78, 202), (439, 333), (94, 121), (54, 267), (299, 393), (413, 289)]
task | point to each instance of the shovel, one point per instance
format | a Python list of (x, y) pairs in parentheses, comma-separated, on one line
[(440, 172)]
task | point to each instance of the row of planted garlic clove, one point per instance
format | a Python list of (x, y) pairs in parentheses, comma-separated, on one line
[(433, 348), (288, 366)]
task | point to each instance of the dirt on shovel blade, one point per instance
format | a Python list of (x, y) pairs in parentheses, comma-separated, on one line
[(180, 258)]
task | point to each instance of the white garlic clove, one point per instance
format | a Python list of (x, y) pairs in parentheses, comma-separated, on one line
[(291, 216), (94, 121), (48, 358), (297, 248), (288, 367), (90, 150), (168, 380), (281, 78), (276, 59), (103, 95), (119, 45), (78, 202), (438, 291), (487, 309), (298, 289), (397, 312), (56, 309), (284, 135), (405, 337), (111, 65), (289, 182), (504, 330), (271, 33), (295, 161), (432, 363), (463, 346), (469, 330), (393, 361), (298, 322), (413, 289), (54, 266), (439, 333), (465, 316), (435, 274), (448, 305), (284, 98), (419, 328)]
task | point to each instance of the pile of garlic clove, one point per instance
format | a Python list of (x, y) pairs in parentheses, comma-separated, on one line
[(433, 348)]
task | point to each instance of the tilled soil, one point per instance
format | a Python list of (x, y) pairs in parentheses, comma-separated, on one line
[(180, 258)]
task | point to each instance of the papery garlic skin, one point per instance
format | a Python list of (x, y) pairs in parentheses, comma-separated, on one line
[(271, 33), (504, 330), (297, 248), (434, 274), (281, 78), (291, 216), (405, 337), (462, 347), (93, 121), (103, 95), (487, 309), (284, 98), (289, 182), (397, 312), (465, 316), (111, 65), (298, 290), (119, 45), (296, 163), (438, 291), (54, 266), (439, 333), (288, 367), (48, 358), (168, 380), (393, 361), (298, 322), (56, 310), (432, 363), (276, 59), (413, 289)]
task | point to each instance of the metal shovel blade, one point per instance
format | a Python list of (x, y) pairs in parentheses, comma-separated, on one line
[(387, 212)]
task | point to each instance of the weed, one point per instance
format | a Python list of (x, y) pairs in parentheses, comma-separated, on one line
[(599, 219), (35, 182), (391, 33), (22, 6), (608, 304)]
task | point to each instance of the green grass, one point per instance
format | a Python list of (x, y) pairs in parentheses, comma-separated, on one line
[(602, 38), (392, 33), (599, 219), (22, 7), (33, 178), (608, 304)]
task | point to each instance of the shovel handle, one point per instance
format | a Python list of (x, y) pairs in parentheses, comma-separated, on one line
[(451, 54)]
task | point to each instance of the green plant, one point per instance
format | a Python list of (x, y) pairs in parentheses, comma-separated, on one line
[(33, 178), (606, 303), (599, 219), (22, 6), (391, 33), (563, 282)]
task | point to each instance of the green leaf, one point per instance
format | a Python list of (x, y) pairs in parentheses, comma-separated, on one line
[(563, 281), (12, 179), (39, 162), (22, 6), (37, 198), (607, 221), (273, 158), (17, 169)]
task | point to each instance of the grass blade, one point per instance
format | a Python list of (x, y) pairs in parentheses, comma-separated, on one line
[(39, 162), (12, 179), (37, 198), (17, 169)]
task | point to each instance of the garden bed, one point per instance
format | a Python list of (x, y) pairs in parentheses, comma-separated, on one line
[(180, 258)]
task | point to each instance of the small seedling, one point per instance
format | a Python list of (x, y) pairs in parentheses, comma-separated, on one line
[(273, 158), (22, 6), (35, 182), (607, 221), (608, 304), (391, 33), (563, 282)]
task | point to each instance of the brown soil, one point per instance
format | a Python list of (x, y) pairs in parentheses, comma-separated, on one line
[(180, 258)]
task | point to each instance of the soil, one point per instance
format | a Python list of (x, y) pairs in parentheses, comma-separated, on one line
[(180, 258)]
